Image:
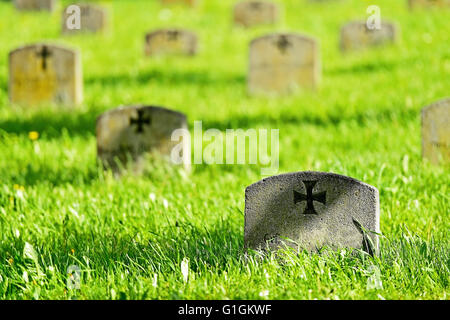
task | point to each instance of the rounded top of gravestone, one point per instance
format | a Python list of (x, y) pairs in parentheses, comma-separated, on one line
[(302, 174), (290, 35), (170, 30), (145, 107), (49, 45), (437, 104)]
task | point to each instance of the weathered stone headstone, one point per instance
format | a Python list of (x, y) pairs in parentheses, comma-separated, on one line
[(186, 2), (436, 132), (355, 35), (93, 18), (282, 63), (48, 5), (428, 3), (251, 13), (311, 210), (45, 73), (171, 42), (127, 135)]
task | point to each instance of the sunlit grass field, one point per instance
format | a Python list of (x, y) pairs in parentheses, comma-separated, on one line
[(129, 236)]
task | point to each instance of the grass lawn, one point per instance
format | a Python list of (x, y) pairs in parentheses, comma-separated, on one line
[(129, 236)]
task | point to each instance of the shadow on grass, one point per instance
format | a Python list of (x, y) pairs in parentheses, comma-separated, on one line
[(51, 125), (194, 78)]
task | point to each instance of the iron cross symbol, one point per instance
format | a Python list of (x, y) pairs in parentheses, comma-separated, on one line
[(140, 121), (44, 54), (173, 34), (283, 43), (310, 197)]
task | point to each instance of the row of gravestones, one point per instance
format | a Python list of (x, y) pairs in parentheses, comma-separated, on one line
[(310, 210), (279, 63), (307, 209), (50, 4)]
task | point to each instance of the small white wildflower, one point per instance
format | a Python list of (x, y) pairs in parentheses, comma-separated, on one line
[(152, 196), (165, 203), (17, 233), (264, 293), (185, 269), (51, 269)]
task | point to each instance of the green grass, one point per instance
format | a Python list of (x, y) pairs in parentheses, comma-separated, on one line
[(364, 122)]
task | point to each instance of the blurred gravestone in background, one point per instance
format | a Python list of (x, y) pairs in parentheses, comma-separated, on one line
[(436, 132), (311, 210), (356, 35), (127, 135), (283, 63), (251, 13), (93, 18), (185, 2), (171, 42), (48, 5), (45, 73), (428, 3)]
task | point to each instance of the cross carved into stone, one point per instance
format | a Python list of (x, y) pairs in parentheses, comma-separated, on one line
[(310, 197), (44, 54), (283, 43), (173, 35), (140, 121)]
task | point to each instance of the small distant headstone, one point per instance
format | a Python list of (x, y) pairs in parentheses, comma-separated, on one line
[(171, 42), (130, 133), (185, 2), (311, 210), (93, 18), (436, 132), (251, 13), (45, 73), (47, 5), (281, 63), (356, 35), (428, 3)]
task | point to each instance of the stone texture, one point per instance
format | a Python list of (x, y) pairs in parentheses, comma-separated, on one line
[(171, 42), (314, 209), (191, 3), (48, 5), (45, 73), (355, 35), (428, 3), (94, 18), (251, 13), (436, 132), (130, 133), (282, 63)]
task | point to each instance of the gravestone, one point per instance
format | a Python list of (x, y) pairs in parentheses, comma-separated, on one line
[(45, 73), (428, 3), (355, 35), (32, 5), (93, 18), (436, 132), (127, 135), (282, 63), (311, 210), (171, 42), (251, 13), (191, 3)]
